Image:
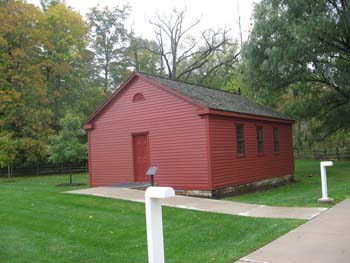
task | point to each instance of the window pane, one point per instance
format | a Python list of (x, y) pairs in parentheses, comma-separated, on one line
[(260, 139), (240, 147), (240, 134), (276, 140), (240, 139), (260, 147), (259, 133)]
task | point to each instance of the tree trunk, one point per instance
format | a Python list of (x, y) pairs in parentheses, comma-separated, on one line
[(299, 135), (9, 172), (70, 174), (106, 72), (161, 66), (137, 62), (105, 84), (337, 152), (174, 71)]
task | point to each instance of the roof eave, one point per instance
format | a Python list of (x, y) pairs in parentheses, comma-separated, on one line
[(211, 111)]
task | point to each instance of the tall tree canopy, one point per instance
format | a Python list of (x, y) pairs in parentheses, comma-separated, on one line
[(44, 72), (140, 55), (109, 40), (65, 41), (301, 50), (24, 109)]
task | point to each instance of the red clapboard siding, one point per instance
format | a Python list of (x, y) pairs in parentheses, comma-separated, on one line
[(176, 133), (194, 147), (230, 169)]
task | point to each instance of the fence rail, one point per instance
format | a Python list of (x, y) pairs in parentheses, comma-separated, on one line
[(45, 169), (330, 154), (52, 169)]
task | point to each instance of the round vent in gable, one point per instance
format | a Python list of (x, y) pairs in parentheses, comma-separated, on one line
[(138, 97)]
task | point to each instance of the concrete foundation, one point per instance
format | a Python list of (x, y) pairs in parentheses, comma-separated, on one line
[(239, 189)]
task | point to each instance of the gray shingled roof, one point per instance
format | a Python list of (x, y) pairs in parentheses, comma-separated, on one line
[(218, 99)]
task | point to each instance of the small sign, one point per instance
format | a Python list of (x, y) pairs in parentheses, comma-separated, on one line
[(152, 170)]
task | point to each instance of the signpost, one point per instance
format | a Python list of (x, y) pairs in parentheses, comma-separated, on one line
[(151, 172), (325, 198), (154, 221)]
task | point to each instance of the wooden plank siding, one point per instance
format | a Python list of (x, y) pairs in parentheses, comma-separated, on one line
[(177, 138), (193, 145), (230, 169)]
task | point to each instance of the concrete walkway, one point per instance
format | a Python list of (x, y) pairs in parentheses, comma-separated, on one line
[(324, 239), (209, 205)]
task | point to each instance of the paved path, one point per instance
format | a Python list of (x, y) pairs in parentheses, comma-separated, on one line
[(209, 205), (324, 239)]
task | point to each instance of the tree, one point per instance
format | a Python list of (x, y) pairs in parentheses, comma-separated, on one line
[(23, 109), (181, 54), (217, 71), (46, 4), (109, 39), (65, 42), (303, 47), (45, 71), (84, 94), (140, 55), (8, 151), (69, 145)]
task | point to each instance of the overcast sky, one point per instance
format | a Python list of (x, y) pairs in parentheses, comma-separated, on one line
[(214, 13)]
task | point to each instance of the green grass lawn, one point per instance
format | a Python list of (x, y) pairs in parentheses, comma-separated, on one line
[(307, 188), (39, 223)]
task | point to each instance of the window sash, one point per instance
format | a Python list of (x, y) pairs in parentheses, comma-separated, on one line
[(260, 139), (240, 139), (276, 140)]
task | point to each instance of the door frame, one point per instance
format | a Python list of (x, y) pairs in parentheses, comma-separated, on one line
[(133, 135)]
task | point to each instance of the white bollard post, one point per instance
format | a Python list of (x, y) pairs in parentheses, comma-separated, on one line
[(154, 221), (325, 198)]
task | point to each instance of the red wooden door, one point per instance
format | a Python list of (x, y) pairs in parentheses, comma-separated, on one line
[(141, 157)]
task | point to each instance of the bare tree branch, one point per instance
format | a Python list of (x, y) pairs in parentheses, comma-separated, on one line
[(170, 33)]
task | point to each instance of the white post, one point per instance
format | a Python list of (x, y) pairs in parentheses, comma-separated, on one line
[(325, 198), (154, 221)]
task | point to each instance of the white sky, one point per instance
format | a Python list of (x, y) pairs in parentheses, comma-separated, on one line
[(215, 13)]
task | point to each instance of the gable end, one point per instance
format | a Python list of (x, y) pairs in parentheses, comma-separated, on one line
[(137, 97)]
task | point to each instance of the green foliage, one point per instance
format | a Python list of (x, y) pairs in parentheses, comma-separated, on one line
[(46, 4), (24, 104), (301, 50), (64, 48), (45, 71), (141, 55), (109, 40), (218, 68), (237, 82), (68, 146), (8, 150)]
